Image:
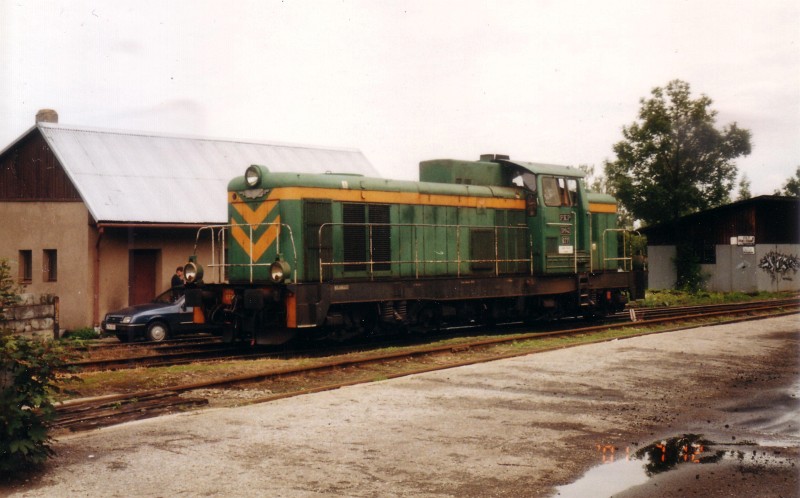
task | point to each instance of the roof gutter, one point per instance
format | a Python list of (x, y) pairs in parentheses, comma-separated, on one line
[(115, 224)]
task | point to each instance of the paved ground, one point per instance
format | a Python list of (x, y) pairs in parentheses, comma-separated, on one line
[(516, 427)]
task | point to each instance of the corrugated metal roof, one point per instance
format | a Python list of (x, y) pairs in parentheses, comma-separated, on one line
[(132, 177)]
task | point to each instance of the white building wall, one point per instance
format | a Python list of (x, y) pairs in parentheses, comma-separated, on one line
[(765, 267), (661, 267)]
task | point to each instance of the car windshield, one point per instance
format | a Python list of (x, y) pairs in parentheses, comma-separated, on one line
[(166, 297)]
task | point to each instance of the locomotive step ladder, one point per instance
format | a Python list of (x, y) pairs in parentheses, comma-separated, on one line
[(584, 296)]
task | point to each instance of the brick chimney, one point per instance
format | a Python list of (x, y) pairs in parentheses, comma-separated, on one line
[(46, 116)]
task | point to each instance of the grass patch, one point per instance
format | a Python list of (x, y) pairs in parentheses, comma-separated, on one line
[(657, 298), (141, 379)]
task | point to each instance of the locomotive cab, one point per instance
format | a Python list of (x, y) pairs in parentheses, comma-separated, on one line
[(556, 206)]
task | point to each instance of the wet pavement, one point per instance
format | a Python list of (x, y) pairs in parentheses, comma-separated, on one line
[(703, 412)]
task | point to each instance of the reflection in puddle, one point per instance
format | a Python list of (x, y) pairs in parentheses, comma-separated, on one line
[(623, 469), (665, 455)]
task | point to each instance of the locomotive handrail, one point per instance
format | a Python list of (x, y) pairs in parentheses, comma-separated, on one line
[(221, 229), (417, 261), (625, 258)]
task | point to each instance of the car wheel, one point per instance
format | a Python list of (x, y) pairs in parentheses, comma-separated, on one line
[(157, 331)]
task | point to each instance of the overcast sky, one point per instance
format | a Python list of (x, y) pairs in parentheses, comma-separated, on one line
[(547, 81)]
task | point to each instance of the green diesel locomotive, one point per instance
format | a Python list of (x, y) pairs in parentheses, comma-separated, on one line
[(333, 255)]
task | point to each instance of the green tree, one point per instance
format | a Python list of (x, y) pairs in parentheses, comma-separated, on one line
[(744, 189), (792, 186), (673, 161), (597, 183), (594, 182)]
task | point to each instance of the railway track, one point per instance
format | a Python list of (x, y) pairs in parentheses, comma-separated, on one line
[(155, 356), (101, 346), (355, 368), (185, 351), (637, 314)]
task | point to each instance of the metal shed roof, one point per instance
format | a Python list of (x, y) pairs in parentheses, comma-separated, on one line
[(133, 177)]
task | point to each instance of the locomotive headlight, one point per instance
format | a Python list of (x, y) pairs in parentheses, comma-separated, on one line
[(279, 271), (252, 176), (192, 272)]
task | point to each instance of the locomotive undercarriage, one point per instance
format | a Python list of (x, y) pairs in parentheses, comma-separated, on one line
[(343, 310)]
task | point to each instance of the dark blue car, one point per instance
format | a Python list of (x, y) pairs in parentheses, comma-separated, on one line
[(165, 316)]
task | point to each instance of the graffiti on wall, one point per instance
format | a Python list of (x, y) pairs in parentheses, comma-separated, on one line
[(779, 265)]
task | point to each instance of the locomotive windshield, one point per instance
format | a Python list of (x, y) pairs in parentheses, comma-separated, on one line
[(560, 191)]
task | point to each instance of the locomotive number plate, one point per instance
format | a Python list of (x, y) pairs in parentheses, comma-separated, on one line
[(564, 218)]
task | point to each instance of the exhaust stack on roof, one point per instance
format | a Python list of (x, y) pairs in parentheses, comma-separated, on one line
[(46, 116)]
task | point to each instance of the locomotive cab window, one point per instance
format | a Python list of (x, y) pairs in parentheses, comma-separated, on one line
[(560, 191), (526, 179)]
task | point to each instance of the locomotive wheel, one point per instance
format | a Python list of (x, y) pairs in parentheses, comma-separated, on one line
[(429, 318), (364, 319), (157, 331), (231, 331)]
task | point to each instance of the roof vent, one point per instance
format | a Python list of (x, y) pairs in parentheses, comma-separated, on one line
[(46, 116), (494, 157)]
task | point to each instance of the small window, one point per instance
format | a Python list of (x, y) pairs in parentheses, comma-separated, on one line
[(706, 252), (552, 197), (25, 266), (572, 192), (560, 191), (525, 179), (50, 262)]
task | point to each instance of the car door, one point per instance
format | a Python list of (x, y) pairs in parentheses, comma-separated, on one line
[(183, 320)]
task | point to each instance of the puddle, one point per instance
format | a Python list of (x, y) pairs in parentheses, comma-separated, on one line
[(625, 468), (606, 480)]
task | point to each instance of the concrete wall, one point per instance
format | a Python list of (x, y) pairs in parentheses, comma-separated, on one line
[(735, 270), (62, 226), (33, 317), (661, 267), (770, 268)]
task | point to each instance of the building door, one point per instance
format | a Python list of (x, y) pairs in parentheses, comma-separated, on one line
[(142, 276)]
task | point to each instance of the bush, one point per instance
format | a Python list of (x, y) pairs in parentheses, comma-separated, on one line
[(9, 290), (28, 369), (82, 334), (687, 266)]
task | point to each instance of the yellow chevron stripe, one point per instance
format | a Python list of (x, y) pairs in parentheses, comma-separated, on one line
[(241, 235), (257, 216)]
